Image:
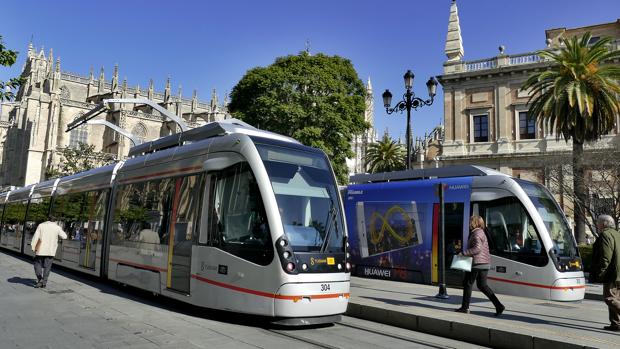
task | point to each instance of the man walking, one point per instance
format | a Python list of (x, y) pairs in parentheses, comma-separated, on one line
[(44, 245), (606, 267)]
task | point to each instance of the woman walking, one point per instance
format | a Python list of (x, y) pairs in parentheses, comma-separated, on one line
[(478, 248)]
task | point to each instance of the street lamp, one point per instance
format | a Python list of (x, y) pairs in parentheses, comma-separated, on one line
[(410, 101)]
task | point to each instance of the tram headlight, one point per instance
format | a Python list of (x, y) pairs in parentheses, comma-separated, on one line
[(339, 266), (304, 267), (348, 255), (290, 266), (348, 266), (283, 243), (286, 254)]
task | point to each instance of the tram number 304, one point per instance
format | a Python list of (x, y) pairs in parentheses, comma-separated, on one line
[(324, 287)]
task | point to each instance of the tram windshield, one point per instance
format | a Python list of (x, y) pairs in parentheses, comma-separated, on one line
[(554, 219), (307, 198)]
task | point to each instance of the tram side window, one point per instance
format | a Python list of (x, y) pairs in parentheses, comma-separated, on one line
[(190, 191), (237, 220), (14, 216), (142, 211), (38, 212), (95, 208), (511, 231), (69, 211)]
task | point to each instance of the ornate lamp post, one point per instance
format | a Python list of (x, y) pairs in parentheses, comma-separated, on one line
[(410, 101)]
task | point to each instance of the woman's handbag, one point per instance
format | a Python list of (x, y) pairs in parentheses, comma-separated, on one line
[(460, 262)]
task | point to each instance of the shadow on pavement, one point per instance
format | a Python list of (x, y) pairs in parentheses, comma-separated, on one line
[(23, 281)]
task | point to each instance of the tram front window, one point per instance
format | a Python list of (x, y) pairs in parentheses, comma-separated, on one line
[(563, 243), (307, 198)]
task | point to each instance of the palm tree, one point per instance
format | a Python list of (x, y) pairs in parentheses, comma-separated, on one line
[(385, 155), (577, 98)]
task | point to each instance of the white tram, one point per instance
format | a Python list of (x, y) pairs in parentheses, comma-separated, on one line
[(224, 216), (394, 223)]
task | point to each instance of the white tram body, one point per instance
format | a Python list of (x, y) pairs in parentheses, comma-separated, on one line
[(225, 216), (533, 251)]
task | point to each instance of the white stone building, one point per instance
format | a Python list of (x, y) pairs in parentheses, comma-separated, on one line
[(486, 115)]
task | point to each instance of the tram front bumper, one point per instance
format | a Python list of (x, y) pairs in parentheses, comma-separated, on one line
[(312, 299), (568, 289)]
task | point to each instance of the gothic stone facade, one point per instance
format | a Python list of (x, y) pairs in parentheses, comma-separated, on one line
[(32, 128)]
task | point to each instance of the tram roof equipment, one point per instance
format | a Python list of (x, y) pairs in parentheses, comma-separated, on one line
[(212, 129), (440, 172)]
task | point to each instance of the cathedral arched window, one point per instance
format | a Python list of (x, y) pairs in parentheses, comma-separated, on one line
[(140, 132), (78, 135)]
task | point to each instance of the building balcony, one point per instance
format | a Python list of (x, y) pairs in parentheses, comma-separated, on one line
[(524, 147), (500, 61)]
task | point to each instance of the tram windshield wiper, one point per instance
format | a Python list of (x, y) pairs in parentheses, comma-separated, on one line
[(331, 222)]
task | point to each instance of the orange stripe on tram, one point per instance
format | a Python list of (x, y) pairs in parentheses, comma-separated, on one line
[(295, 298), (535, 285)]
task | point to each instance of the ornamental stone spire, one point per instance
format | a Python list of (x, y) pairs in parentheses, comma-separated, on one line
[(31, 52), (150, 90), (454, 43), (167, 91), (50, 64), (101, 82), (115, 79)]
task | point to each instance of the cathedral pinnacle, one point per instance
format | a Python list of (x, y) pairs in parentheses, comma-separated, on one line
[(454, 42), (101, 84), (58, 65), (115, 78), (30, 49)]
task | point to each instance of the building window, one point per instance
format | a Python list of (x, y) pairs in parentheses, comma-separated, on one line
[(139, 131), (527, 125), (481, 128), (78, 135), (594, 40)]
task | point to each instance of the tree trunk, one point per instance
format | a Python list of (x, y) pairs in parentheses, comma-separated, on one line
[(580, 192)]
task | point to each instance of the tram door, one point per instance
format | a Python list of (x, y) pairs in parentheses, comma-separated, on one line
[(184, 216), (454, 221), (453, 239)]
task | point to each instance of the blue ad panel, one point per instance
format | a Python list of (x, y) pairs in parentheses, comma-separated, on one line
[(391, 225)]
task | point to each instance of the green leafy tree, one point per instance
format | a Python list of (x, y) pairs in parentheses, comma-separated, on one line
[(79, 159), (316, 99), (577, 97), (7, 59), (385, 155)]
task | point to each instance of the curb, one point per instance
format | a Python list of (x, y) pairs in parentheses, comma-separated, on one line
[(462, 331), (594, 296)]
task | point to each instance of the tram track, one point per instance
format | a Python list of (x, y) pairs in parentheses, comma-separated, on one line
[(288, 334), (396, 336), (350, 329)]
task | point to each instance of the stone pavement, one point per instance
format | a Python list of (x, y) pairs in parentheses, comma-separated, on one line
[(526, 323), (77, 311)]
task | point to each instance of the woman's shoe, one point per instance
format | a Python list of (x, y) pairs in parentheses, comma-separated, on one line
[(462, 310), (500, 310)]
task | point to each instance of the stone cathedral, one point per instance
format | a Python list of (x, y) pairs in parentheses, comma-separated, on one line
[(33, 127)]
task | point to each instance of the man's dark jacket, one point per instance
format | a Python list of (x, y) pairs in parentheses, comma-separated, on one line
[(606, 257)]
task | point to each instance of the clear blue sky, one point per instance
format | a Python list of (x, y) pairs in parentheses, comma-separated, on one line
[(210, 44)]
